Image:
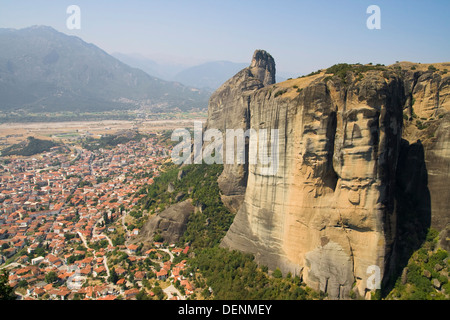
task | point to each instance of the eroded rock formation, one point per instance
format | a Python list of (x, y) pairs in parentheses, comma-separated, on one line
[(170, 224), (330, 212), (229, 108)]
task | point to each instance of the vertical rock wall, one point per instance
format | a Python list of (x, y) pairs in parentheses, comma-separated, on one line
[(329, 211)]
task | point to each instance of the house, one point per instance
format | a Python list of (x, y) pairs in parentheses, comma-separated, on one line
[(131, 293), (59, 294), (167, 265), (149, 251), (3, 233), (99, 261), (33, 247), (132, 248), (189, 288), (37, 292), (108, 297), (79, 252), (176, 271), (48, 287), (182, 263), (86, 262), (177, 251), (120, 271), (98, 271), (19, 245), (23, 259), (63, 276), (21, 271), (139, 276), (9, 252), (85, 271), (53, 260), (101, 291), (89, 292), (162, 274)]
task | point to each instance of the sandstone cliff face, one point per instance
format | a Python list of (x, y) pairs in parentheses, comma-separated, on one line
[(229, 108), (330, 211), (429, 122)]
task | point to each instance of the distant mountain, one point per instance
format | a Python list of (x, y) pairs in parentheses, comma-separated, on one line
[(212, 75), (209, 75), (165, 71), (44, 70)]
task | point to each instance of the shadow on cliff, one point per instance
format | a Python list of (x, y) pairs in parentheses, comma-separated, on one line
[(413, 208)]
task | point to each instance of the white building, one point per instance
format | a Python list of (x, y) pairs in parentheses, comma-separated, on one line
[(37, 260)]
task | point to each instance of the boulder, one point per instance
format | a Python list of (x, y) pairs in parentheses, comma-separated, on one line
[(170, 223)]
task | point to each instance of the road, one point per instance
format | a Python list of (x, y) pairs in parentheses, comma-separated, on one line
[(83, 239), (95, 235), (105, 259), (170, 253), (12, 265), (105, 263), (170, 290)]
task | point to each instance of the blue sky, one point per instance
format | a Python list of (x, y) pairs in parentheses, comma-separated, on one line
[(303, 36)]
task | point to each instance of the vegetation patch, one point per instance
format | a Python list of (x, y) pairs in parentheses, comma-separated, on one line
[(342, 69), (208, 225), (29, 147), (229, 274), (426, 275), (280, 92), (110, 141), (233, 275)]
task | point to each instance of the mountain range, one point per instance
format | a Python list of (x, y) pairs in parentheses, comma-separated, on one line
[(208, 75), (43, 70)]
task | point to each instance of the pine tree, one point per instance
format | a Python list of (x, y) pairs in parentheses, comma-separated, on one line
[(6, 291)]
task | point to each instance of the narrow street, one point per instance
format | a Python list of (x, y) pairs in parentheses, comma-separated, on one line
[(105, 259), (83, 239)]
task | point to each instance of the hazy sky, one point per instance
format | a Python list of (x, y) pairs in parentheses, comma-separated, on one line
[(303, 36)]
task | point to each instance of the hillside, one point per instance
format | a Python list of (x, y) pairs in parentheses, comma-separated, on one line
[(43, 70), (112, 140), (230, 274), (29, 147)]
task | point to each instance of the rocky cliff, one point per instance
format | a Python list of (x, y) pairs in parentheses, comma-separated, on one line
[(170, 224), (229, 108), (363, 160)]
